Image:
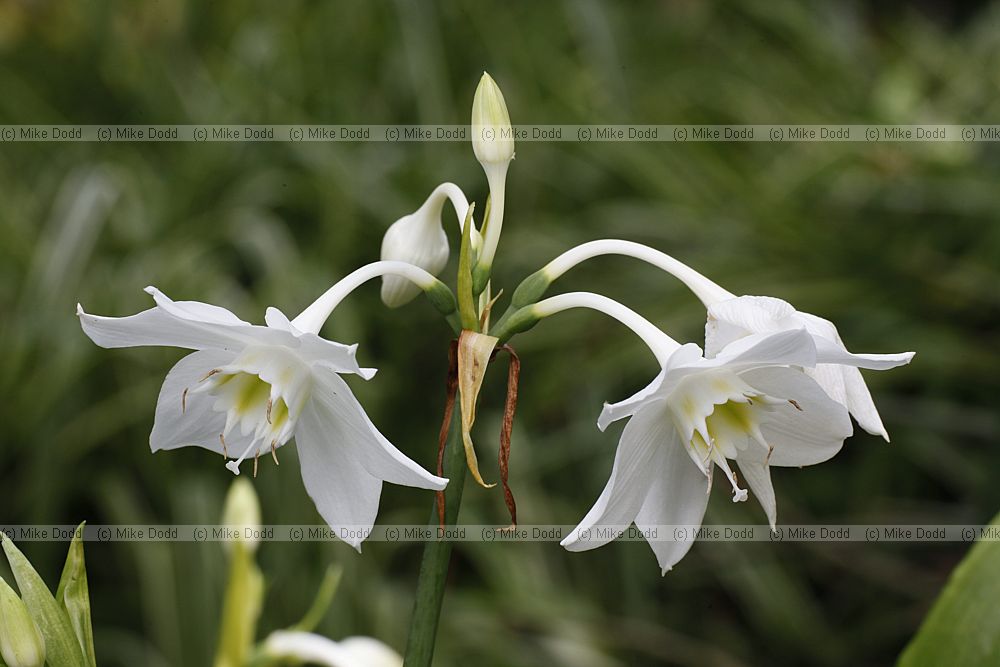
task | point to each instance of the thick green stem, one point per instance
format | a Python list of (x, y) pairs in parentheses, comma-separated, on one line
[(437, 554)]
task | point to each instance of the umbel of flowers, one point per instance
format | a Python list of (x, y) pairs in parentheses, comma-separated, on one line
[(771, 386)]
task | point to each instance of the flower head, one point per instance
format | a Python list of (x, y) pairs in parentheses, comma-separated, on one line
[(750, 404), (836, 370), (249, 389)]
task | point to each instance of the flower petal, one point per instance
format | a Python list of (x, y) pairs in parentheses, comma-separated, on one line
[(194, 310), (612, 412), (832, 352), (677, 496), (186, 419), (806, 432), (345, 494), (316, 649), (861, 405), (335, 405), (631, 477), (755, 470)]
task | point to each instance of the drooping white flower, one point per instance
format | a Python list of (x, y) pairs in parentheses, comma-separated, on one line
[(750, 404), (731, 317), (249, 389), (316, 649), (419, 239)]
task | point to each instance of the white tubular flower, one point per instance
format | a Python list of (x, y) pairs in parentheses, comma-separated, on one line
[(749, 404), (731, 317), (316, 649), (249, 389), (419, 239), (493, 144)]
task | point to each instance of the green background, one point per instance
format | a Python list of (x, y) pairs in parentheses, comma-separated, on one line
[(897, 243)]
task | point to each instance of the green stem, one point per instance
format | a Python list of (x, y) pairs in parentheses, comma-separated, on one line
[(437, 554)]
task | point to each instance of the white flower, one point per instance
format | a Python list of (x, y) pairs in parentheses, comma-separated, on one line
[(731, 319), (419, 239), (316, 649), (249, 389), (749, 404)]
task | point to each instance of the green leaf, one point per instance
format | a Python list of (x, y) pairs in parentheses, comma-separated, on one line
[(466, 305), (74, 595), (62, 647), (963, 626)]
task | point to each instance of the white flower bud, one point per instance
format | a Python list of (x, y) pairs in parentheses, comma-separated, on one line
[(241, 513), (492, 137), (21, 643), (419, 239)]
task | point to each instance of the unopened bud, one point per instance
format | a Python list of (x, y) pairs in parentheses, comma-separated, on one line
[(21, 643), (241, 513), (419, 239), (492, 137)]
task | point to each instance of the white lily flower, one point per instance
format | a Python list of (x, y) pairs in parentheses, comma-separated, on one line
[(419, 239), (251, 388), (731, 317), (316, 649), (749, 404)]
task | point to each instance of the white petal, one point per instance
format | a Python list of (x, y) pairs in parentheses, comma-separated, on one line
[(187, 419), (276, 319), (831, 378), (861, 405), (194, 310), (336, 406), (345, 494), (612, 412), (316, 649), (831, 352), (754, 468), (155, 327), (631, 477), (677, 496), (753, 314), (792, 347), (810, 433)]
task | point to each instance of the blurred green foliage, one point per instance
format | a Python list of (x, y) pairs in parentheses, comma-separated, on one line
[(897, 243)]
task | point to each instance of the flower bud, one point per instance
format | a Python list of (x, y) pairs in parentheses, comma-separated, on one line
[(242, 512), (492, 137), (419, 239), (21, 643)]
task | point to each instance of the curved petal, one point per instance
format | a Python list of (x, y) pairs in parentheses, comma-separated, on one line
[(631, 477), (831, 352), (335, 405), (186, 419), (612, 412), (155, 327), (194, 310), (677, 496), (806, 432), (861, 405), (791, 347), (345, 495), (754, 468), (753, 314)]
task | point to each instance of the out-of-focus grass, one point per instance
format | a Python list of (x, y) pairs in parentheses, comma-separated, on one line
[(898, 243)]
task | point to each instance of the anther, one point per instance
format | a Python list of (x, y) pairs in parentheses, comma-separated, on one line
[(225, 450), (209, 374), (795, 404), (274, 452), (184, 398), (269, 403), (256, 456)]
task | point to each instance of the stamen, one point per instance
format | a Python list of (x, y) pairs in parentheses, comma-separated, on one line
[(269, 410), (212, 372), (274, 452), (225, 450), (795, 404), (184, 398), (256, 456), (739, 495)]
